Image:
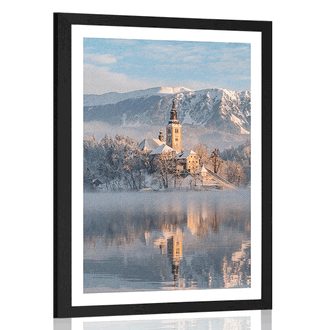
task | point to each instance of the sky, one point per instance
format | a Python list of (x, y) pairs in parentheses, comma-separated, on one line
[(121, 65)]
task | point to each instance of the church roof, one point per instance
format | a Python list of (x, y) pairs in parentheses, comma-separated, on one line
[(186, 154), (150, 144), (163, 148)]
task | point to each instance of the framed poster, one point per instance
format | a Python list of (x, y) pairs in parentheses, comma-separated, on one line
[(162, 165)]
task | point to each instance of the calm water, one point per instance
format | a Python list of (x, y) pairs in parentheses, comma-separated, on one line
[(166, 240)]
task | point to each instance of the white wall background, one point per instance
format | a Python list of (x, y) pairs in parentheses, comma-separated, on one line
[(301, 138)]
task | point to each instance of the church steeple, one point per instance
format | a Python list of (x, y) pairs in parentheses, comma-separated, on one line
[(174, 130), (161, 136), (173, 114)]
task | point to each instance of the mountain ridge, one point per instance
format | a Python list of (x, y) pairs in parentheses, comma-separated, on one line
[(217, 108), (114, 97)]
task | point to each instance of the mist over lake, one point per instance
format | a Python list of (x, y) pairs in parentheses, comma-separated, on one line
[(142, 241)]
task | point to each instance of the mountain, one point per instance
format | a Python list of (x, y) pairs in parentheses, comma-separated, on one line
[(221, 109), (115, 97)]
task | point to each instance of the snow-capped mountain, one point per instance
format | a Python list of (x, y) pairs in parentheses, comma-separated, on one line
[(221, 109), (115, 97)]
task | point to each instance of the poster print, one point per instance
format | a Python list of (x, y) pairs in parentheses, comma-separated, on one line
[(167, 157), (166, 131)]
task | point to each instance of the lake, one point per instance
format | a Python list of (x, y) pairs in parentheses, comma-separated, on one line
[(142, 241)]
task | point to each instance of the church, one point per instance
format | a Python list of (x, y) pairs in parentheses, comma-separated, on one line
[(187, 161)]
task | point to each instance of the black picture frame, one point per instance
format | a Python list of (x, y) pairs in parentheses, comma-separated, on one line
[(63, 23)]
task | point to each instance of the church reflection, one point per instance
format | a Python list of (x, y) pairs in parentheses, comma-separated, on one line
[(170, 244), (235, 270), (198, 243)]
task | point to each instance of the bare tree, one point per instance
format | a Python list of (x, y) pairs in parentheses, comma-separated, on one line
[(235, 173), (216, 160), (202, 153)]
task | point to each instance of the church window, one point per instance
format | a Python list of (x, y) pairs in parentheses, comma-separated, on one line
[(176, 130)]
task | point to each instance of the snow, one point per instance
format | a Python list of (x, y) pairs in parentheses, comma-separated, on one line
[(244, 131), (188, 120), (150, 144), (227, 109), (173, 90), (239, 123), (115, 97), (236, 120), (186, 154), (203, 170), (161, 150)]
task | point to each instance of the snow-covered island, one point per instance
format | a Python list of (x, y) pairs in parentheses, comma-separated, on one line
[(120, 163)]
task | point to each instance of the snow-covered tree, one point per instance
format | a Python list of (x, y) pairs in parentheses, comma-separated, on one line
[(202, 153), (165, 168), (117, 162)]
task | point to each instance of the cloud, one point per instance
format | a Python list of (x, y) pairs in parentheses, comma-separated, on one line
[(102, 59), (99, 80), (123, 65)]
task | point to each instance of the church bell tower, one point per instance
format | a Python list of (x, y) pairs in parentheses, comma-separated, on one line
[(174, 130)]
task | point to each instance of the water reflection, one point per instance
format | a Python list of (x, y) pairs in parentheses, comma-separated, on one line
[(236, 271), (220, 323), (236, 321), (170, 243), (153, 241)]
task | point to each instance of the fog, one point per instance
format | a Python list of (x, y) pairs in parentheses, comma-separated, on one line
[(192, 135)]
